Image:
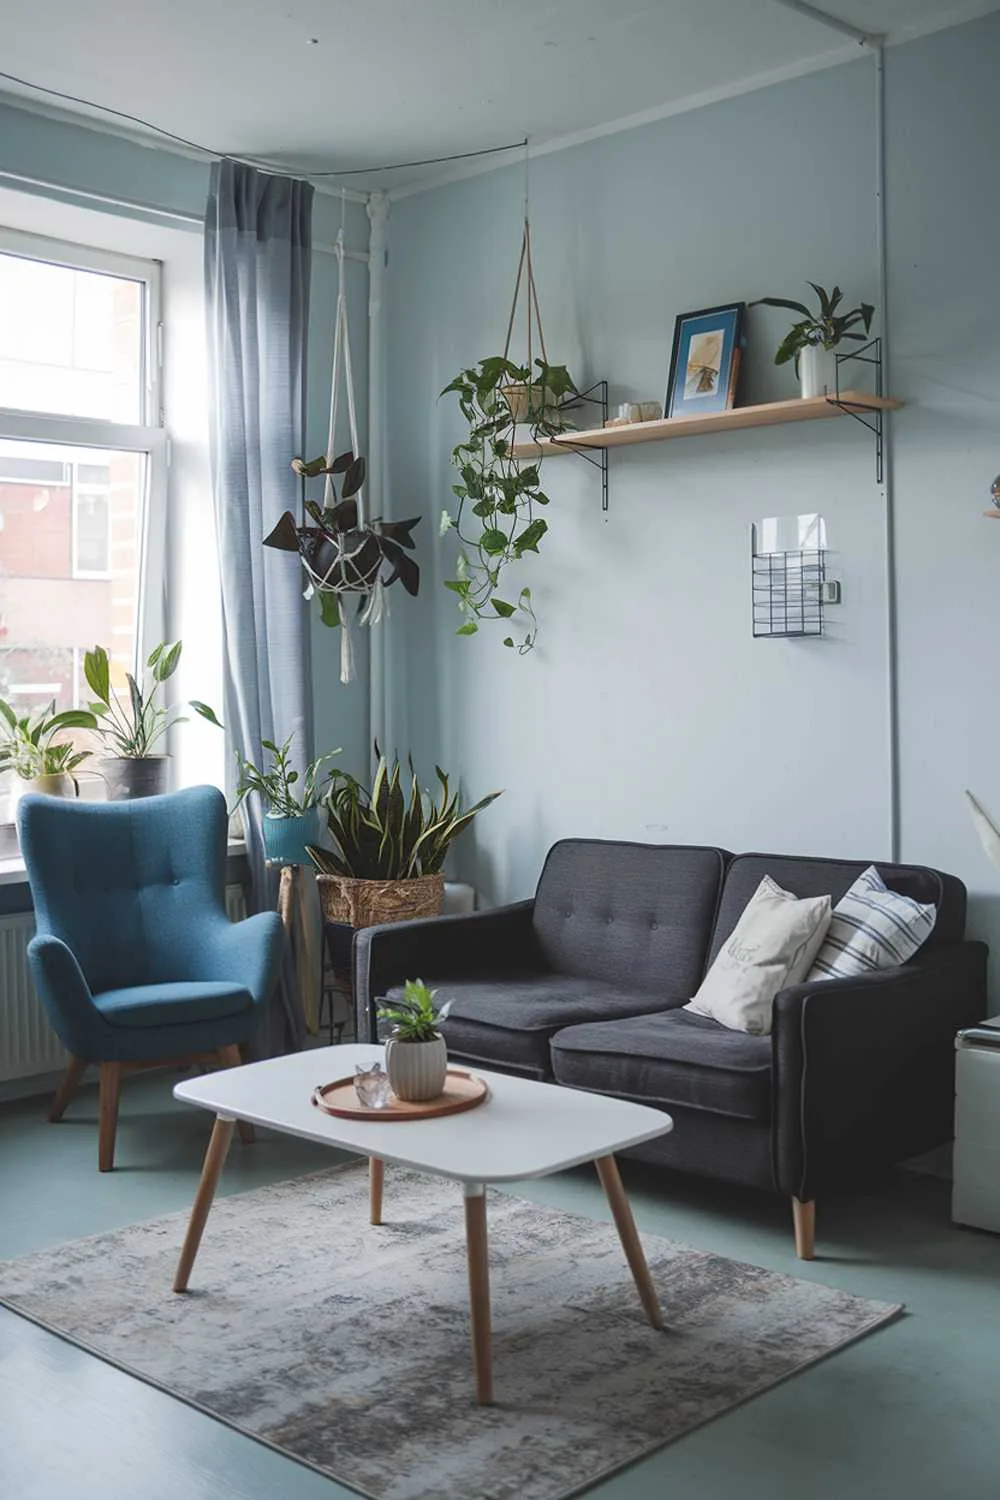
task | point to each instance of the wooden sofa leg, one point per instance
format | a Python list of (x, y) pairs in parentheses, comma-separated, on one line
[(75, 1069), (111, 1078), (231, 1057), (804, 1217)]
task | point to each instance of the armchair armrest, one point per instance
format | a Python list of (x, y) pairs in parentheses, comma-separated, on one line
[(246, 953), (65, 996), (439, 946), (863, 1068)]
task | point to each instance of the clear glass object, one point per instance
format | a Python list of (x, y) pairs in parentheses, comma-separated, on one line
[(371, 1085)]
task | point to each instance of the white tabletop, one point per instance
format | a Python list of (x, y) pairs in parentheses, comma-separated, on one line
[(524, 1129)]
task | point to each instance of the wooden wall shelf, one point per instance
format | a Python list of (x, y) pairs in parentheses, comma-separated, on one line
[(809, 409)]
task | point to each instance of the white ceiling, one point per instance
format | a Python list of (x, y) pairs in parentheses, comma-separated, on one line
[(399, 80)]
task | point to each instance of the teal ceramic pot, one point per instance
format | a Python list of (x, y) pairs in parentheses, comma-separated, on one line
[(285, 839)]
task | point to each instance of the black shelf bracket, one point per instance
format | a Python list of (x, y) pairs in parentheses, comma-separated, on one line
[(594, 395), (872, 417)]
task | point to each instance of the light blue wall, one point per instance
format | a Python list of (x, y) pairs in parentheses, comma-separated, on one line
[(58, 152), (647, 710)]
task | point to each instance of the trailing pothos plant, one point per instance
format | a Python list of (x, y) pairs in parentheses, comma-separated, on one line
[(499, 496)]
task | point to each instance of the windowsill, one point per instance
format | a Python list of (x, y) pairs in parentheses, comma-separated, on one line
[(12, 871)]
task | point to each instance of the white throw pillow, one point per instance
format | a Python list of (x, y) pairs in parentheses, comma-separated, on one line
[(872, 928), (772, 946)]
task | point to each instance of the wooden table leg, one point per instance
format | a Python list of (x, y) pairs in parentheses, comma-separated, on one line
[(215, 1157), (477, 1253), (231, 1057), (607, 1171), (376, 1177)]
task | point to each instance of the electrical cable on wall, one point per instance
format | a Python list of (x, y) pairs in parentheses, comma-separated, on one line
[(249, 161)]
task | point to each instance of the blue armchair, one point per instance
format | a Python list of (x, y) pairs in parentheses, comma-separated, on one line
[(135, 960)]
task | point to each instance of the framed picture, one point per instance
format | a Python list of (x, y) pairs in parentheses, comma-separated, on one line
[(705, 361)]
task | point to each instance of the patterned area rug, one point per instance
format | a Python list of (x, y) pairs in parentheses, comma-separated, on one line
[(347, 1346)]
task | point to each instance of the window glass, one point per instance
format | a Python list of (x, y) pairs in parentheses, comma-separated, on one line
[(71, 341)]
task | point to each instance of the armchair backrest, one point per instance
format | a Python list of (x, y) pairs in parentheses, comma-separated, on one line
[(630, 914), (127, 886)]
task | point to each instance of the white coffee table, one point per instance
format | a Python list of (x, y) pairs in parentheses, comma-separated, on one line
[(523, 1130)]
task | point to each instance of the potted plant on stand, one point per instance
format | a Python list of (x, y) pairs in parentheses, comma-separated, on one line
[(34, 747), (813, 340), (291, 805), (135, 725), (389, 847), (416, 1055)]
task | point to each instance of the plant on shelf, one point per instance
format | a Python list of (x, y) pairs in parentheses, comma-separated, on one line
[(34, 747), (290, 801), (810, 342), (416, 1056), (133, 725), (497, 520), (389, 845)]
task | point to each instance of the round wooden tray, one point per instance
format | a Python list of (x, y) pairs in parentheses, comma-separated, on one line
[(462, 1090)]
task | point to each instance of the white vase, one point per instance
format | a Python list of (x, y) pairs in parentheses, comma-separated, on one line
[(417, 1070), (817, 371)]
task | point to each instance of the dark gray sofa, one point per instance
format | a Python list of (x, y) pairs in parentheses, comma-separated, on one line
[(584, 985)]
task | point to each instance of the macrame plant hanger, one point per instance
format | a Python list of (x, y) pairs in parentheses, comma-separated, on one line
[(531, 294), (342, 353)]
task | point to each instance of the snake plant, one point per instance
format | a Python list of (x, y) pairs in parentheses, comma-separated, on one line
[(394, 831)]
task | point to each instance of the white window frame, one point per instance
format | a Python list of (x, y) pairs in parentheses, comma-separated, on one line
[(149, 437)]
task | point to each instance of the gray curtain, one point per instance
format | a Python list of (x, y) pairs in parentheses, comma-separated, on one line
[(257, 266)]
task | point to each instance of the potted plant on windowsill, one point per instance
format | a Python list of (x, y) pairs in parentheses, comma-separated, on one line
[(135, 725), (34, 747), (813, 340), (291, 819), (416, 1055), (389, 846)]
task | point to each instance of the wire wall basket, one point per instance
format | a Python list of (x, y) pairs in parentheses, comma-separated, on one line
[(788, 591)]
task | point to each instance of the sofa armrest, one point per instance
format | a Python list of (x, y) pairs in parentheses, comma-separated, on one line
[(863, 1068), (386, 955), (65, 996), (247, 953)]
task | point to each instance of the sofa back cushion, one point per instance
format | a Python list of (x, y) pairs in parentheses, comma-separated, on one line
[(631, 914), (834, 877)]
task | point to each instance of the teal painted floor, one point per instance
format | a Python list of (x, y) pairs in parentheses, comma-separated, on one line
[(910, 1411)]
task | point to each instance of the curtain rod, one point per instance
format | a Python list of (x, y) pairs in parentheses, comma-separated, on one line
[(170, 215)]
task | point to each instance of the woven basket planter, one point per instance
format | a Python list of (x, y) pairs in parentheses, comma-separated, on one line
[(366, 903)]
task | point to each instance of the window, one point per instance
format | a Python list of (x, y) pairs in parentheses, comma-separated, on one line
[(82, 464)]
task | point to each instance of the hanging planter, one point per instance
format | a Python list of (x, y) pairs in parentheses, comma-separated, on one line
[(343, 553), (499, 496)]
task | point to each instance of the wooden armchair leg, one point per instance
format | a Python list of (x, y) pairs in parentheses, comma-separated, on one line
[(804, 1218), (75, 1069), (231, 1057), (111, 1078)]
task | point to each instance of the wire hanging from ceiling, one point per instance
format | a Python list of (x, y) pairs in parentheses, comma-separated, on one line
[(250, 161)]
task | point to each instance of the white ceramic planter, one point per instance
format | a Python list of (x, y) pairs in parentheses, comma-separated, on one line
[(817, 371), (60, 785), (416, 1070)]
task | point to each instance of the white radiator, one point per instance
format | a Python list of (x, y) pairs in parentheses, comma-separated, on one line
[(28, 1045)]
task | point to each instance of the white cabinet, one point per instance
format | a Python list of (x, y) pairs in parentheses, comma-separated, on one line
[(976, 1179)]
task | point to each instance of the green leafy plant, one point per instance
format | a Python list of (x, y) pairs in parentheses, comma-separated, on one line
[(30, 745), (133, 726), (828, 327), (496, 520), (391, 832), (279, 786), (414, 1018)]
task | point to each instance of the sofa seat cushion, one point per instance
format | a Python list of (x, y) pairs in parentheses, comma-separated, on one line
[(178, 1004), (509, 1017), (675, 1057)]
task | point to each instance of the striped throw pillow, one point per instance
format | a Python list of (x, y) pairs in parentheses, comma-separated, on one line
[(871, 928)]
